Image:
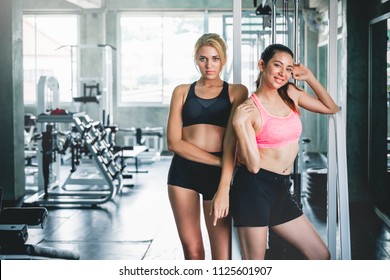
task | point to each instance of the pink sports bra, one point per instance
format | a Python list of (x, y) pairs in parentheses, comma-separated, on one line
[(277, 131)]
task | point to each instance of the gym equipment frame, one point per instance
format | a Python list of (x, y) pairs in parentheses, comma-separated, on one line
[(103, 186)]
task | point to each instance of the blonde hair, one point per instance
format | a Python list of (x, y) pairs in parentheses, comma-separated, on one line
[(212, 40)]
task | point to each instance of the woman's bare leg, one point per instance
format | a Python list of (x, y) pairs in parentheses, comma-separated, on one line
[(253, 242), (301, 234), (185, 205), (219, 235)]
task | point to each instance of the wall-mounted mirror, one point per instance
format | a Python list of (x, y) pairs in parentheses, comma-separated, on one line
[(379, 113)]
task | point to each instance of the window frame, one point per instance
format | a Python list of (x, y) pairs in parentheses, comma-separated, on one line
[(37, 14), (206, 17)]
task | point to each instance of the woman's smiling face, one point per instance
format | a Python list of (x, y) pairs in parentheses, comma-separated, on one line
[(278, 70)]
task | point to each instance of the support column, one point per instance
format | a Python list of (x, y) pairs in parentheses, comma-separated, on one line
[(12, 177), (237, 16)]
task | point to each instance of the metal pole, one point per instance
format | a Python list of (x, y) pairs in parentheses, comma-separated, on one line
[(285, 20), (297, 174), (237, 13), (274, 21), (332, 165), (296, 30)]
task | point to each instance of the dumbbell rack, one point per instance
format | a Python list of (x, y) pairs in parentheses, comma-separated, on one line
[(96, 187)]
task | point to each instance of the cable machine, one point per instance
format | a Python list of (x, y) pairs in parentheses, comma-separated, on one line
[(92, 80)]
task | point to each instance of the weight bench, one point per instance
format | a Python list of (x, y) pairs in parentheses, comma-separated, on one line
[(130, 152)]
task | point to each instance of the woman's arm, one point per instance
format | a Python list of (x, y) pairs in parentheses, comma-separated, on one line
[(243, 123), (323, 102), (175, 140), (220, 203)]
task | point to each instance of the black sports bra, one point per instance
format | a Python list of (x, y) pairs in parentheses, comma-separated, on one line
[(214, 111)]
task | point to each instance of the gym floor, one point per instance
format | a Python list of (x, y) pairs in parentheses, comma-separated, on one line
[(138, 225)]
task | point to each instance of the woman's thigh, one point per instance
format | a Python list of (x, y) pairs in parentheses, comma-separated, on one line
[(185, 205), (219, 235), (301, 234), (253, 242)]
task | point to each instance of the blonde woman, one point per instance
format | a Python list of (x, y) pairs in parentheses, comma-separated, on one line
[(198, 116)]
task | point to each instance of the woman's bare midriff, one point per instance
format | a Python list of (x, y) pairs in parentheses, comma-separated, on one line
[(279, 160), (205, 136)]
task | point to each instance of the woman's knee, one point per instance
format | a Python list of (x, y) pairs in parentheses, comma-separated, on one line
[(194, 252), (325, 254), (319, 254)]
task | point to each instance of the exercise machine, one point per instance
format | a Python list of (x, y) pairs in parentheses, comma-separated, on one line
[(147, 140), (92, 180), (92, 83)]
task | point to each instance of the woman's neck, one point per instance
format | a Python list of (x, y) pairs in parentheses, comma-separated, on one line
[(210, 83), (266, 92)]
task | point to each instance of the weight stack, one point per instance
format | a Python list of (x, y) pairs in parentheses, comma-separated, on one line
[(317, 191)]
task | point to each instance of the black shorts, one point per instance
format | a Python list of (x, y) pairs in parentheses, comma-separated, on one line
[(261, 199), (196, 176)]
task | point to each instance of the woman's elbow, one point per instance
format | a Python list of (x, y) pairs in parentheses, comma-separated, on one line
[(330, 111), (253, 167), (335, 110), (171, 146)]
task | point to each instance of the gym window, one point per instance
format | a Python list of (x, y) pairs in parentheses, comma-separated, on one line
[(43, 36), (156, 53)]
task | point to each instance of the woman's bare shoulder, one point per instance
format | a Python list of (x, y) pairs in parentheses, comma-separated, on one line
[(240, 88), (181, 89), (238, 92)]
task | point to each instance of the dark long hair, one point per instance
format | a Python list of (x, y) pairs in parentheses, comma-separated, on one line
[(266, 55)]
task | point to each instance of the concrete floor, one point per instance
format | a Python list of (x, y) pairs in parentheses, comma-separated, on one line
[(139, 225)]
